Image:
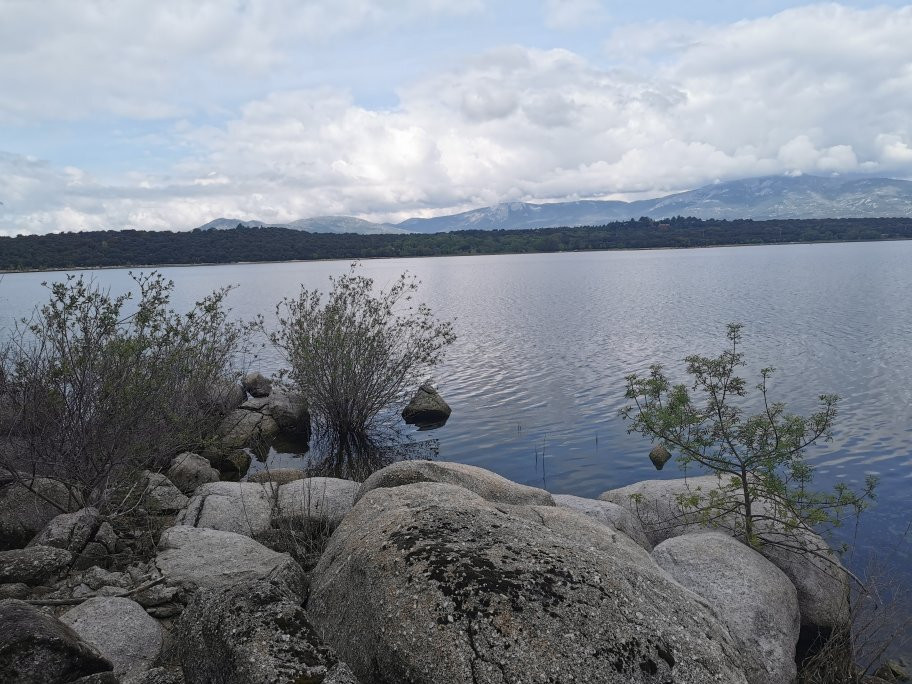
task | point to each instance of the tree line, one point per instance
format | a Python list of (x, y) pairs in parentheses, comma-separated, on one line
[(143, 247)]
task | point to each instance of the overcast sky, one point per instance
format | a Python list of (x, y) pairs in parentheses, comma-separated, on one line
[(166, 114)]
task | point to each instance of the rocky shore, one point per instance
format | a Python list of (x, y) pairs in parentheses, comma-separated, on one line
[(426, 572)]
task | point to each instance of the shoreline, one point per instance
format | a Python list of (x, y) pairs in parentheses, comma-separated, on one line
[(435, 256)]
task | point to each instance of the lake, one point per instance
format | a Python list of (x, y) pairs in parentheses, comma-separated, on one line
[(536, 377)]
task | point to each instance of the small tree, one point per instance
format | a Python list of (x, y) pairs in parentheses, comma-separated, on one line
[(764, 491), (356, 353), (95, 393)]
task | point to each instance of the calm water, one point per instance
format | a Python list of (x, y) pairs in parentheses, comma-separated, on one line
[(536, 377)]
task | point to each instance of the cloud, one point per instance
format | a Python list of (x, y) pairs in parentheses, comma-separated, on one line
[(819, 89), (573, 14)]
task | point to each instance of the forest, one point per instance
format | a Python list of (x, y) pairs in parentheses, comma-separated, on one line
[(145, 247)]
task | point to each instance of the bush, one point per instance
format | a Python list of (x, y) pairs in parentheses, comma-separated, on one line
[(356, 354), (765, 481), (97, 394)]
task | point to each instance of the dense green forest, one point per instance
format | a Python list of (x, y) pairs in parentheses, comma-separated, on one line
[(138, 247)]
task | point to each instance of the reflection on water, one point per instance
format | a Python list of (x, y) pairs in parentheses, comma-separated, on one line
[(536, 376)]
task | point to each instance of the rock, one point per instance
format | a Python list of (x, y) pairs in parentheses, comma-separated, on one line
[(426, 407), (193, 557), (99, 678), (160, 675), (23, 514), (120, 630), (894, 671), (94, 553), (279, 476), (240, 507), (156, 596), (95, 578), (659, 456), (36, 648), (616, 517), (106, 537), (255, 633), (161, 495), (189, 471), (225, 395), (33, 565), (257, 384), (288, 409), (242, 428), (822, 585), (70, 531), (754, 599), (483, 482), (232, 464), (431, 583), (14, 590), (315, 499)]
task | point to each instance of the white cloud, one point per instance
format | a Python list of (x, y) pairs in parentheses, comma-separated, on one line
[(573, 14), (819, 89)]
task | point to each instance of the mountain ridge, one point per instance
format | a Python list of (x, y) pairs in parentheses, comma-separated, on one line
[(760, 198)]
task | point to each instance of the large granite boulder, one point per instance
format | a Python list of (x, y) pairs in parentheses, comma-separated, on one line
[(483, 482), (814, 569), (70, 531), (323, 500), (257, 384), (426, 407), (430, 582), (253, 633), (278, 476), (196, 557), (24, 513), (33, 565), (240, 507), (606, 513), (754, 599), (120, 630), (189, 471), (36, 648)]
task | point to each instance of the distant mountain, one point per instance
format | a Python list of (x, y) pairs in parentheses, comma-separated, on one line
[(772, 197), (317, 224)]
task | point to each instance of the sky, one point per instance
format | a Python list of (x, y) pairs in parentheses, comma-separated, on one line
[(164, 115)]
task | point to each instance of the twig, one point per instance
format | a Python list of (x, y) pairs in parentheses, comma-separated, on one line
[(76, 601)]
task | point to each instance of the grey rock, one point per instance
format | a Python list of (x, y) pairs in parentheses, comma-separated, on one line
[(483, 482), (120, 630), (431, 583), (33, 565), (257, 384), (196, 557), (107, 537), (315, 500), (165, 610), (822, 584), (189, 471), (23, 514), (160, 675), (99, 678), (156, 596), (225, 395), (278, 476), (231, 463), (36, 648), (70, 531), (243, 428), (659, 456), (161, 496), (14, 590), (754, 599), (288, 409), (426, 407), (94, 554), (96, 577), (607, 513), (240, 507), (252, 633)]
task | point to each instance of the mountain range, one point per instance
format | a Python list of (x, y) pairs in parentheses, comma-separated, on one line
[(770, 197)]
